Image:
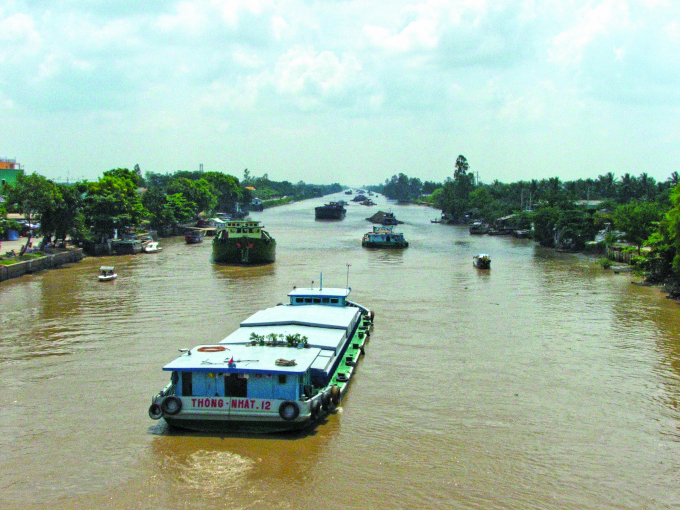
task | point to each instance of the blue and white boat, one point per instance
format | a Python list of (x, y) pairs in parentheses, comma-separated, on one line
[(283, 369)]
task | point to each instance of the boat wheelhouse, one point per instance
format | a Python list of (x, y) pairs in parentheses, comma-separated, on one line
[(243, 242), (389, 219), (383, 237), (282, 369)]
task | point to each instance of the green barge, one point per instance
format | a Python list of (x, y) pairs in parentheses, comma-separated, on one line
[(243, 242)]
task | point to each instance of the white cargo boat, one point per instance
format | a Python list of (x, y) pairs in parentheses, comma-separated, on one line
[(283, 369)]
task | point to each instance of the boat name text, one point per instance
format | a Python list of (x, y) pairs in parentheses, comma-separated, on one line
[(234, 403)]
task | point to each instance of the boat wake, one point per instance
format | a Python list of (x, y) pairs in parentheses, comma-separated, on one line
[(214, 473)]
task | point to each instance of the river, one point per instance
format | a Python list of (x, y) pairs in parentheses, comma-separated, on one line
[(543, 383)]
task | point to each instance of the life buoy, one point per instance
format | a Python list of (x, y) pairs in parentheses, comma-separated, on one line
[(289, 410), (335, 395), (155, 411), (212, 348), (171, 405), (342, 378)]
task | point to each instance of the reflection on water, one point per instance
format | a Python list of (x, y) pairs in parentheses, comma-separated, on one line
[(544, 382)]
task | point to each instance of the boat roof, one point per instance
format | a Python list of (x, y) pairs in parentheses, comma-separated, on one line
[(321, 338), (322, 292), (319, 316), (246, 359), (106, 268), (483, 255)]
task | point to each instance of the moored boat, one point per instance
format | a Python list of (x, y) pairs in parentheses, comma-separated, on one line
[(482, 261), (107, 273), (330, 211), (383, 237), (243, 242), (477, 227), (194, 236), (283, 369), (152, 247)]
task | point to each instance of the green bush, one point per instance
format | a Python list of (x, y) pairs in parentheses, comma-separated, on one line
[(605, 263)]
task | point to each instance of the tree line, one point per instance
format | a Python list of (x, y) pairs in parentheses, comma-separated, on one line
[(123, 199), (564, 214)]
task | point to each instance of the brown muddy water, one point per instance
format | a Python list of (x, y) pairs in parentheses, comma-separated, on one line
[(543, 383)]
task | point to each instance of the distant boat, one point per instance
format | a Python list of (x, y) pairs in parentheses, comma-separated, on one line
[(330, 211), (477, 227), (389, 219), (107, 274), (126, 246), (194, 237), (151, 247), (383, 237), (243, 242), (482, 261)]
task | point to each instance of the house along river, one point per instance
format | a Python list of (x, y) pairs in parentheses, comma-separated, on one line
[(544, 383)]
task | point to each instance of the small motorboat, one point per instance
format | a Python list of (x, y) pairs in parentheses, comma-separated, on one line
[(152, 247), (107, 274), (482, 261)]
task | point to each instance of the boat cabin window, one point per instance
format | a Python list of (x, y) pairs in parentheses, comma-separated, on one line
[(325, 300), (317, 300), (282, 378), (235, 386), (308, 300), (299, 300), (187, 386), (334, 301)]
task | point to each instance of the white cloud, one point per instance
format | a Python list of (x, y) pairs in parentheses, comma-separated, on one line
[(458, 67), (568, 46), (306, 72)]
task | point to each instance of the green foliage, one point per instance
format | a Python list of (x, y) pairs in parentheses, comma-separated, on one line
[(226, 190), (574, 228), (199, 192), (61, 218), (32, 195), (638, 220), (112, 203), (605, 262), (402, 188), (545, 224)]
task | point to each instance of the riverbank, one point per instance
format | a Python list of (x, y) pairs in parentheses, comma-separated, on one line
[(33, 261)]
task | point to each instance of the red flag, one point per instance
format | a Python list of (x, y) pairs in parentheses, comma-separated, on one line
[(231, 360)]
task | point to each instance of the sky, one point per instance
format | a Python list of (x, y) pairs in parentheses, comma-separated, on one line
[(353, 92)]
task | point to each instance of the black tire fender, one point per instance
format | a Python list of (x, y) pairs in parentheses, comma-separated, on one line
[(289, 410), (335, 395), (314, 409), (155, 411), (171, 405), (326, 400)]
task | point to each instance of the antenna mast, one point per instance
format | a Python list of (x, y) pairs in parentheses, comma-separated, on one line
[(347, 284)]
